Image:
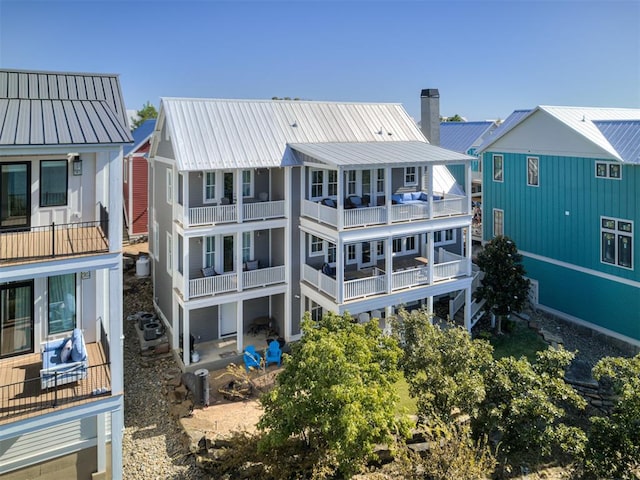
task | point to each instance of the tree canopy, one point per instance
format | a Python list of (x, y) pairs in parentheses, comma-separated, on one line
[(147, 112), (335, 393)]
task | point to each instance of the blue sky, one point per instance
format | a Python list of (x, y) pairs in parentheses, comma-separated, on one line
[(486, 58)]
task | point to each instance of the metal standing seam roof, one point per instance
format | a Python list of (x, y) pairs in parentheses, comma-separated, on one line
[(511, 121), (461, 136), (141, 135), (56, 108), (624, 136), (581, 119), (218, 133)]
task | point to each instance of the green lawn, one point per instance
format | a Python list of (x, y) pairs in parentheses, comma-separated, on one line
[(522, 341), (406, 403)]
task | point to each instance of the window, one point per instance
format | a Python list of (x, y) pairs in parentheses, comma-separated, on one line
[(532, 171), (180, 189), (498, 168), (180, 255), (317, 183), (53, 183), (332, 189), (351, 182), (608, 170), (366, 182), (351, 253), (380, 249), (444, 237), (315, 310), (404, 245), (209, 251), (247, 184), (380, 181), (410, 243), (169, 255), (498, 222), (209, 187), (410, 176), (169, 186), (397, 245), (617, 242), (16, 318), (331, 253), (62, 303), (247, 246), (316, 247)]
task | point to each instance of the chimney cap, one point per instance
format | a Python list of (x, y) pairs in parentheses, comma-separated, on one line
[(430, 93)]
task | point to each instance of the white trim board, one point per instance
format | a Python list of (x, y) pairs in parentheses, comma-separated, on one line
[(584, 270)]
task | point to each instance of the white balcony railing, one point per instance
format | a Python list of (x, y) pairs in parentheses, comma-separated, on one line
[(451, 205), (364, 287), (408, 212), (263, 210), (410, 278), (199, 287), (320, 213), (263, 277), (448, 270), (322, 282), (212, 215), (360, 217)]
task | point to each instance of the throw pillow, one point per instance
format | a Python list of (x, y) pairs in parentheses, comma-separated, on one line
[(78, 352), (65, 353)]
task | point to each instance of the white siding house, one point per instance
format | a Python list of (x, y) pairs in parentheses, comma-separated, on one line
[(61, 137), (262, 210)]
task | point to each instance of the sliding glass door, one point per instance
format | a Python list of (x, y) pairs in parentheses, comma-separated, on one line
[(15, 189), (16, 318)]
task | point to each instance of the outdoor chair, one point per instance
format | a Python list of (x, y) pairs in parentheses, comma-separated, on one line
[(64, 360), (273, 354), (251, 357)]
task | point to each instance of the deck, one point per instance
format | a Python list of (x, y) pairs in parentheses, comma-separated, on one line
[(21, 396)]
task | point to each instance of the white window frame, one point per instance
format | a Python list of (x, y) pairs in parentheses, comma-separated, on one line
[(351, 182), (498, 175), (247, 246), (331, 252), (380, 181), (609, 167), (498, 212), (410, 176), (332, 183), (351, 255), (209, 255), (316, 246), (316, 183), (533, 172), (206, 186), (617, 233), (450, 237), (169, 254), (169, 186), (315, 311), (404, 250), (246, 184)]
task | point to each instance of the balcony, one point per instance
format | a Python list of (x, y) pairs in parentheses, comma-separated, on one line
[(21, 396), (53, 241), (228, 282), (220, 214), (408, 272), (379, 215)]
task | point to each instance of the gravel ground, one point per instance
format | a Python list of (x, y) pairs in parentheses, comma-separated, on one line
[(154, 445)]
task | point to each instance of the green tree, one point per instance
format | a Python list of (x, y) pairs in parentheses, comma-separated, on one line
[(613, 449), (443, 367), (455, 118), (525, 404), (147, 112), (335, 394), (504, 286)]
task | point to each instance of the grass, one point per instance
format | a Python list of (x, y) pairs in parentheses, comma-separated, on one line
[(406, 403), (521, 341)]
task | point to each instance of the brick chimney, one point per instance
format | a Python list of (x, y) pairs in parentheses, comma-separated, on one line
[(430, 115)]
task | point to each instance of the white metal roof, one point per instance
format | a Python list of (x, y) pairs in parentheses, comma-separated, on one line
[(54, 108), (379, 153), (219, 133), (580, 119)]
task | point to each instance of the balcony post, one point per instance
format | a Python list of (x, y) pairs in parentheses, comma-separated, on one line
[(429, 171), (388, 263), (387, 194), (340, 200), (53, 239), (114, 201), (340, 263), (468, 186), (430, 256), (239, 196), (238, 252)]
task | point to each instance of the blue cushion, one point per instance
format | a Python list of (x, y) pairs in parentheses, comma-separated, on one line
[(424, 197), (397, 198), (407, 197), (78, 349), (356, 201), (415, 195), (208, 272)]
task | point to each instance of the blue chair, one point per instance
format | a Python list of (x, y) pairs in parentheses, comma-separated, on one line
[(251, 357), (273, 354)]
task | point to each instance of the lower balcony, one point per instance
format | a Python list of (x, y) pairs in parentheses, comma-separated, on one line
[(214, 284), (217, 214), (53, 241), (22, 396), (408, 272)]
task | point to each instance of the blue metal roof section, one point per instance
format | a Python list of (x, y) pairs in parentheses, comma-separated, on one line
[(511, 121), (624, 136), (140, 134), (461, 136)]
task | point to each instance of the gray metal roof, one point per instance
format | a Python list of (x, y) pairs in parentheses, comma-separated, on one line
[(511, 121), (624, 136), (217, 133), (461, 136), (379, 153), (54, 108)]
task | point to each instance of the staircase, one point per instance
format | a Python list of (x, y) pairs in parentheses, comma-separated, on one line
[(125, 230), (456, 312)]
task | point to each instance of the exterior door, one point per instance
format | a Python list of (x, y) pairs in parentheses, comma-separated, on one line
[(228, 255), (16, 318), (15, 195), (227, 324), (228, 186), (367, 255)]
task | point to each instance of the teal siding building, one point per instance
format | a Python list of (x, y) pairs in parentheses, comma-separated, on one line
[(564, 184)]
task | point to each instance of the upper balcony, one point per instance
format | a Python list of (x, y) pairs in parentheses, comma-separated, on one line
[(212, 197)]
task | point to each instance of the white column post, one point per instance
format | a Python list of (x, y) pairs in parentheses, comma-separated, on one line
[(101, 443), (117, 432), (388, 262), (239, 198), (340, 200), (288, 254), (468, 186), (239, 239), (430, 189), (431, 256), (387, 193), (240, 325), (186, 337), (341, 261), (467, 308), (185, 267)]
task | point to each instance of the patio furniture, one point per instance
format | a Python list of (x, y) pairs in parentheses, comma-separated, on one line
[(354, 201), (64, 360), (328, 202), (329, 270), (251, 357), (273, 354)]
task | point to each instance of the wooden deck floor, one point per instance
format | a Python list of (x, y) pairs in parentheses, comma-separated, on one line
[(34, 245), (21, 396)]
